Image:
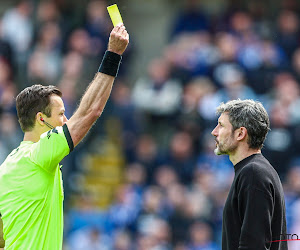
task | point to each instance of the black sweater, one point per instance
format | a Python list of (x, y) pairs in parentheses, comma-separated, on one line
[(254, 212)]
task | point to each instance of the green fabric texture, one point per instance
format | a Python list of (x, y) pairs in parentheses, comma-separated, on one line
[(31, 193)]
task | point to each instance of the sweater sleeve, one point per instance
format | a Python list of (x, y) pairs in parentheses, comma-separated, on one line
[(255, 206)]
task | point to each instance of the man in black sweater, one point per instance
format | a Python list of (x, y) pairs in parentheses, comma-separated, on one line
[(254, 213)]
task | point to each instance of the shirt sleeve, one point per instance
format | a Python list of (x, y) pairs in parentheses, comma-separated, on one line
[(52, 147), (255, 210)]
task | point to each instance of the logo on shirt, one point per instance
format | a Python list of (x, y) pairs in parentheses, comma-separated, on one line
[(14, 152), (51, 131)]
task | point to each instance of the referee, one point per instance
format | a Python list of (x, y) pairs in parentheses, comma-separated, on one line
[(31, 193), (254, 213)]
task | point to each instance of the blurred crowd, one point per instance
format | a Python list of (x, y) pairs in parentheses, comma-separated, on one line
[(173, 187)]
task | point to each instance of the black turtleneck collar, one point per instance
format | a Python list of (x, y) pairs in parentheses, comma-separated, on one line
[(245, 161)]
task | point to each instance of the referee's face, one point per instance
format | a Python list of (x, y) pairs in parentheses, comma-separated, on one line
[(224, 136), (58, 117)]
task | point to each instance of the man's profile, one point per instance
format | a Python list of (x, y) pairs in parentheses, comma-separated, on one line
[(254, 212), (31, 190)]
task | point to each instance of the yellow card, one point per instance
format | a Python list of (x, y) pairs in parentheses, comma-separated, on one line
[(115, 15)]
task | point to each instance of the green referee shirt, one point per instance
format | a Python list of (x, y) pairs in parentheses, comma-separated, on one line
[(31, 192)]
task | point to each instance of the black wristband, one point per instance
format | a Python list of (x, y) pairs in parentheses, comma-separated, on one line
[(110, 63)]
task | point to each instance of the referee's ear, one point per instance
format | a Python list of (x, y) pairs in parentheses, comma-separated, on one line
[(39, 119)]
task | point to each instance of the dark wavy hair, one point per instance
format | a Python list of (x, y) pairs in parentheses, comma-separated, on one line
[(32, 100)]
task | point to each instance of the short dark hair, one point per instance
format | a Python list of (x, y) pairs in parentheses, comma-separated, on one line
[(32, 100), (251, 115)]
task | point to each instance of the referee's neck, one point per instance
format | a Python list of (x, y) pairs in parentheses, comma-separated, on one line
[(33, 136)]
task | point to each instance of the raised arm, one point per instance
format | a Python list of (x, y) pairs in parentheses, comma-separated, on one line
[(98, 92)]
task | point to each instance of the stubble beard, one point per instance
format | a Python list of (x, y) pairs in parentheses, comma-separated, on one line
[(217, 151), (224, 150)]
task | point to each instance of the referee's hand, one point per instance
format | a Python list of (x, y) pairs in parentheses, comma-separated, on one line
[(118, 39)]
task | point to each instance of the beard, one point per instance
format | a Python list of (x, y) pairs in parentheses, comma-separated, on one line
[(224, 148), (217, 151)]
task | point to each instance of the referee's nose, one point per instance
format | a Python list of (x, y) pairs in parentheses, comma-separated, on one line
[(65, 120)]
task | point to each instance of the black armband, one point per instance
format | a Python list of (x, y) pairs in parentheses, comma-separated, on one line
[(110, 63)]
